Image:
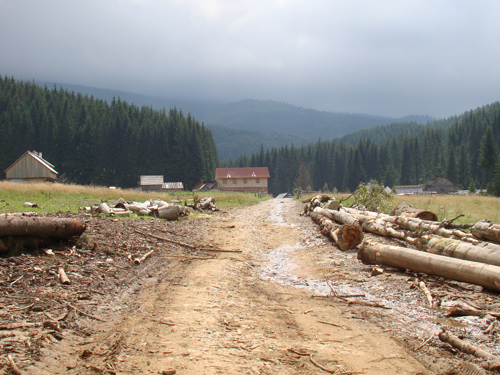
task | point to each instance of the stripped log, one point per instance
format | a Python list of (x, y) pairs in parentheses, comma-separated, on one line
[(486, 230), (416, 225), (485, 275), (488, 253), (345, 236), (339, 216), (404, 209), (170, 212)]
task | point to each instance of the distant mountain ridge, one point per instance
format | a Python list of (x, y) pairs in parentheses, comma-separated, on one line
[(252, 123)]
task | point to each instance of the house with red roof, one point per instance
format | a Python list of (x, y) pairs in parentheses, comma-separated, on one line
[(248, 179)]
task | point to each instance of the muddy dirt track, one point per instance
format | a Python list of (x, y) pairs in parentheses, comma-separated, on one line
[(263, 293)]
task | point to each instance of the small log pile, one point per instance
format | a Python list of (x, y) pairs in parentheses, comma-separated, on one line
[(408, 240), (152, 207), (203, 204)]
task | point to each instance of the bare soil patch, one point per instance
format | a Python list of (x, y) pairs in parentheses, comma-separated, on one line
[(260, 291)]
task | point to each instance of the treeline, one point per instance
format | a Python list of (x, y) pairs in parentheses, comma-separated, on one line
[(91, 141), (464, 149)]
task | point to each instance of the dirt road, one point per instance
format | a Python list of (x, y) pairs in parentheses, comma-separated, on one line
[(262, 307)]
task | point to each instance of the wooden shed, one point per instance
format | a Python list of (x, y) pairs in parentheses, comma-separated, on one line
[(442, 185), (31, 166), (151, 182)]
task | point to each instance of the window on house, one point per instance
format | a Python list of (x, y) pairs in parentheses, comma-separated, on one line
[(257, 181), (224, 182), (245, 180), (234, 181)]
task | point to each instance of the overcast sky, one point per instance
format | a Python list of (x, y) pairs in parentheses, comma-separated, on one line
[(385, 57)]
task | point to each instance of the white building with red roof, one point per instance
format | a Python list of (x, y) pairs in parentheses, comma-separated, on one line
[(249, 179)]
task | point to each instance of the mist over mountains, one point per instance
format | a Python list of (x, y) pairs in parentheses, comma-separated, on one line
[(244, 126)]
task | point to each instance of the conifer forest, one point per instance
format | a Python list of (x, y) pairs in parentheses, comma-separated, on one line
[(91, 141)]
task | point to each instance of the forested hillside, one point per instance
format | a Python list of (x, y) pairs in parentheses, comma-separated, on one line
[(91, 141), (463, 149), (243, 126)]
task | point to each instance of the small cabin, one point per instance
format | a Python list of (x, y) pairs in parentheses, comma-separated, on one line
[(31, 167), (151, 182), (442, 185)]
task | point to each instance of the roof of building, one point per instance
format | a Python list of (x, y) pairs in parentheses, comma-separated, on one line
[(248, 172), (151, 180), (38, 157), (173, 186)]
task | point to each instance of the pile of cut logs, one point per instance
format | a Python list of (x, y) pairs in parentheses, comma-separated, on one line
[(436, 248), (152, 207)]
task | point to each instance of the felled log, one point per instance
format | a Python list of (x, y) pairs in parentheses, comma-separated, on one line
[(105, 209), (170, 212), (404, 209), (417, 226), (315, 202), (466, 347), (384, 228), (489, 253), (340, 216), (486, 230), (18, 232), (41, 226), (485, 275), (345, 236)]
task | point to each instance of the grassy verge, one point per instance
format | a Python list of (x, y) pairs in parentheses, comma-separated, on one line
[(52, 198)]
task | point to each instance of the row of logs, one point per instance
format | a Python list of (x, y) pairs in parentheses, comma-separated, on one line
[(437, 248)]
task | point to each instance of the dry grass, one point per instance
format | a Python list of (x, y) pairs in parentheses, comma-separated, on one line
[(473, 207)]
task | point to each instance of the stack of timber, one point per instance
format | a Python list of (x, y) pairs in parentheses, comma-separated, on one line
[(152, 207), (426, 246), (203, 204), (18, 231)]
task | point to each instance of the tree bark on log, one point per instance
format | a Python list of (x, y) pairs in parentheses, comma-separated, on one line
[(41, 226), (345, 236), (486, 230), (465, 347), (461, 250), (485, 275)]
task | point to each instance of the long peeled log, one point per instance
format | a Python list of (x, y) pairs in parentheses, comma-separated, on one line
[(41, 226), (486, 275), (488, 253), (345, 236), (486, 230)]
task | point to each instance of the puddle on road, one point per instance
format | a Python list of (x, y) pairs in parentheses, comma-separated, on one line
[(279, 266)]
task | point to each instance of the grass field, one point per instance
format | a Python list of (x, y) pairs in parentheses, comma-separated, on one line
[(53, 197)]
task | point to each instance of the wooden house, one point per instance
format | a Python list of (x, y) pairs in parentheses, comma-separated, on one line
[(249, 179), (31, 167), (442, 185), (151, 183)]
